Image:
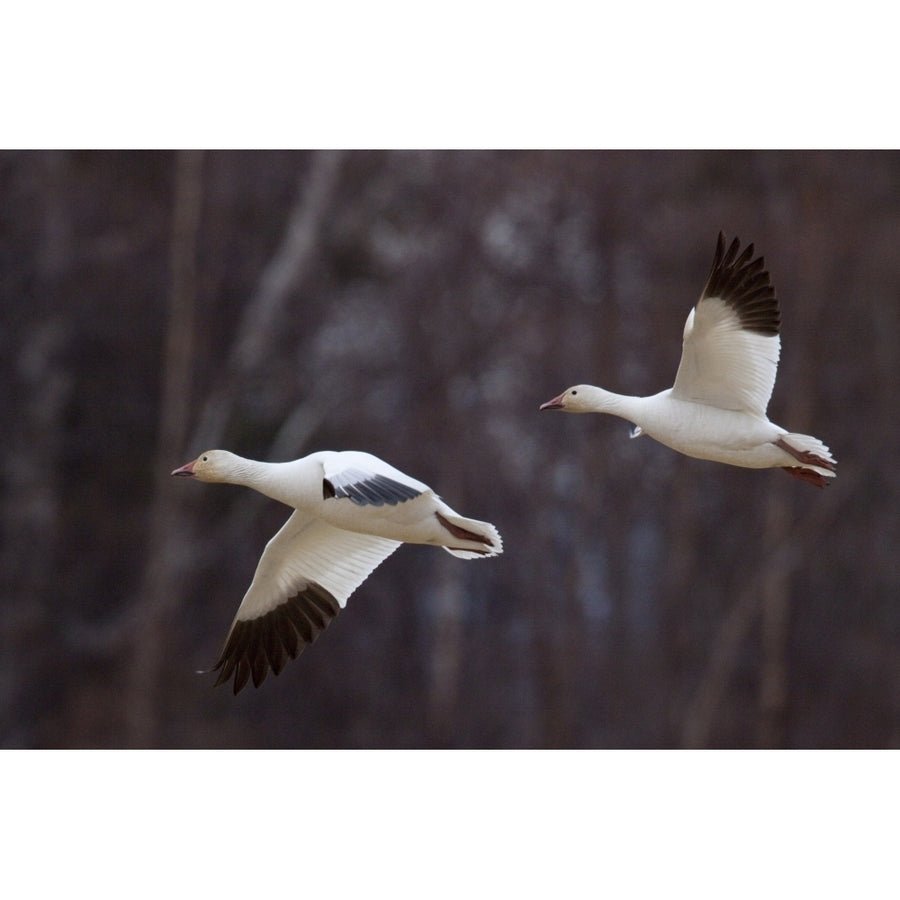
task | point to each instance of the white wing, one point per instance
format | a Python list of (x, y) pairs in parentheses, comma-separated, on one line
[(303, 579), (729, 356), (368, 480)]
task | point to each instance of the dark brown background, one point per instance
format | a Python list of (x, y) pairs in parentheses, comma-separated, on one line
[(421, 305)]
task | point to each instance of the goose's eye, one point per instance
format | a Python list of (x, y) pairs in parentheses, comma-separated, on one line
[(574, 393), (204, 458)]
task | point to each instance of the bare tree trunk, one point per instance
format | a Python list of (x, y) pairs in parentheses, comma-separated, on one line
[(675, 595), (161, 587), (776, 581), (30, 507), (30, 518), (444, 674), (447, 613), (776, 607)]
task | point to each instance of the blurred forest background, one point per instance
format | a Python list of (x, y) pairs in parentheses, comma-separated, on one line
[(421, 305)]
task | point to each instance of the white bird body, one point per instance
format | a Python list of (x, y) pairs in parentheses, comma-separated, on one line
[(299, 484), (351, 511), (716, 410), (686, 426)]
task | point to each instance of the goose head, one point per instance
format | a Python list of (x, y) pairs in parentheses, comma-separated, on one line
[(212, 466), (575, 399)]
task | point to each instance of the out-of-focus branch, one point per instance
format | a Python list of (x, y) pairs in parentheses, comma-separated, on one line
[(265, 310), (701, 711)]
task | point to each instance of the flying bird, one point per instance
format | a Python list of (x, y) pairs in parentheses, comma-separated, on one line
[(351, 512), (716, 409)]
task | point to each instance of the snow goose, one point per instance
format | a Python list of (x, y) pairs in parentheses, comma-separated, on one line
[(351, 512), (716, 409)]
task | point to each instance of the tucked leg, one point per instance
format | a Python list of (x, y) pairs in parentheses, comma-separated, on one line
[(810, 476), (460, 533), (805, 456)]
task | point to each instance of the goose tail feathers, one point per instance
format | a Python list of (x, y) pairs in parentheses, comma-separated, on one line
[(471, 539), (814, 462)]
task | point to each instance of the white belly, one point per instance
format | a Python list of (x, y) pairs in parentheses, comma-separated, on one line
[(720, 435)]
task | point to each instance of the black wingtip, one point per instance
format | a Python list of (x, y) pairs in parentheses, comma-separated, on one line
[(743, 283), (255, 647)]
